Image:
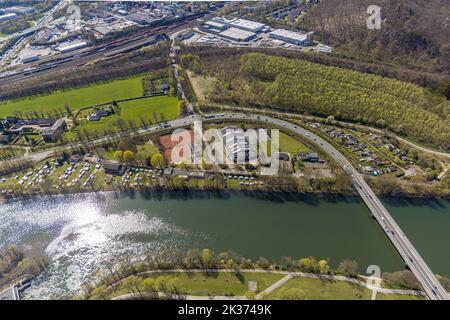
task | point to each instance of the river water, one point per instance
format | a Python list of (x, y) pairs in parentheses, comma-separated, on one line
[(81, 233)]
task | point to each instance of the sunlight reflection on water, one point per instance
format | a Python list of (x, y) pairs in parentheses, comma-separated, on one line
[(84, 236)]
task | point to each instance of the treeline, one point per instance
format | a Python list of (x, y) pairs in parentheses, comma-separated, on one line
[(432, 80), (126, 272), (14, 263), (139, 62), (301, 86), (208, 260), (417, 186), (9, 166)]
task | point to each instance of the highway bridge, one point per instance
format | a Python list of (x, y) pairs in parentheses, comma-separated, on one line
[(405, 248)]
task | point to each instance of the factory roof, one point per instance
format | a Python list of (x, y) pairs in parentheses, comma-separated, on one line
[(67, 46), (237, 34), (215, 24), (103, 29), (290, 34), (8, 16), (246, 24)]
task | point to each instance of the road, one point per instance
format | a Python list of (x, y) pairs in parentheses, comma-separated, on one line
[(412, 258)]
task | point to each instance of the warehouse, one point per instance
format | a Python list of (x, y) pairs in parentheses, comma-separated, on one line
[(8, 16), (215, 26), (236, 34), (30, 58), (71, 46), (297, 38), (247, 25)]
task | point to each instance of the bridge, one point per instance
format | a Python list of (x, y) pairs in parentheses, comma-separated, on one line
[(424, 275)]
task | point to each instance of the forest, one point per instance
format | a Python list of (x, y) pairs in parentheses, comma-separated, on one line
[(301, 86), (414, 33)]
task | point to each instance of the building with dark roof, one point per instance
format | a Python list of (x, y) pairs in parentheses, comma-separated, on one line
[(54, 132), (113, 167)]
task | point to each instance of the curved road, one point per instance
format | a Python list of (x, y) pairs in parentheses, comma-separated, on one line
[(412, 258)]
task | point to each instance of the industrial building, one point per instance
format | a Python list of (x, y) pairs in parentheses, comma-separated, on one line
[(184, 35), (8, 16), (237, 29), (28, 59), (54, 132), (236, 34), (19, 10), (296, 38), (215, 26), (71, 46), (247, 25)]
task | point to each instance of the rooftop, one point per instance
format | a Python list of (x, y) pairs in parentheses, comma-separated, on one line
[(290, 34), (237, 34), (246, 24)]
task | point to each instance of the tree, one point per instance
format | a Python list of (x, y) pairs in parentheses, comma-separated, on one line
[(133, 284), (118, 155), (445, 282), (309, 265), (348, 268), (128, 156), (263, 263), (291, 294), (207, 258), (100, 293), (161, 283), (324, 267), (287, 263), (404, 279), (157, 161)]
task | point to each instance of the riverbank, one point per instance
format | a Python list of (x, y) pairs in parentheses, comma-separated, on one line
[(80, 232), (260, 193)]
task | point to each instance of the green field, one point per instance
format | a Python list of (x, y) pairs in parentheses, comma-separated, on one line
[(384, 296), (220, 283), (316, 289), (291, 145), (75, 98), (161, 107)]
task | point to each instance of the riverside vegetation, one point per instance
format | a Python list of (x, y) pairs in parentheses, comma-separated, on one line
[(149, 277)]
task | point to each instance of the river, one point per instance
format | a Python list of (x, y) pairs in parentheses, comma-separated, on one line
[(81, 233)]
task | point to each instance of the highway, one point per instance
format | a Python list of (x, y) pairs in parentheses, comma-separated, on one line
[(405, 248)]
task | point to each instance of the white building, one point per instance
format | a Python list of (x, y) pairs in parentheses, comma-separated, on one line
[(247, 25), (29, 58), (296, 38), (71, 46), (215, 25), (8, 16), (238, 35)]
